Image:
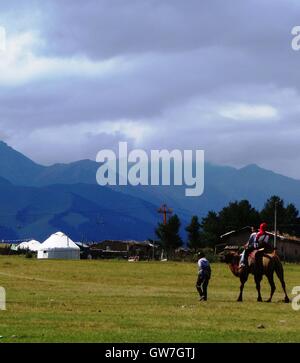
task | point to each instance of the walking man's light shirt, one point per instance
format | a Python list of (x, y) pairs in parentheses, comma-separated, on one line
[(203, 264)]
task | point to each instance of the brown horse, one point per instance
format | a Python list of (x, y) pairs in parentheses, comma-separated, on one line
[(259, 264)]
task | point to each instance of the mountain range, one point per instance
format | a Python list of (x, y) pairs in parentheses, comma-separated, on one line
[(37, 200)]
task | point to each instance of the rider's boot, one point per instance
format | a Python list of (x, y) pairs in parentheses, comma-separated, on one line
[(243, 260)]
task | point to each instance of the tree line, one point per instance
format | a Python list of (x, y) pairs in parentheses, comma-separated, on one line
[(236, 215)]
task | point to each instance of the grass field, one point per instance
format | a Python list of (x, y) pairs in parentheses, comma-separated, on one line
[(118, 301)]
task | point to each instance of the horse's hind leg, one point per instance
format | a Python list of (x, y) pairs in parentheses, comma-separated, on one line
[(272, 284), (258, 279), (280, 275)]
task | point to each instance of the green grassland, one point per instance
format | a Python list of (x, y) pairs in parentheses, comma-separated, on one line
[(119, 301)]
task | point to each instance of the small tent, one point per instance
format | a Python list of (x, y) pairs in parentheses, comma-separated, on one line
[(32, 246), (59, 246)]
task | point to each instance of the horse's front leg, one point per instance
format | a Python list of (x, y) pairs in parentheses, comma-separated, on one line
[(258, 279), (243, 280)]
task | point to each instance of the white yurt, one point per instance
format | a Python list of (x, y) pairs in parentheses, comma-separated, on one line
[(32, 246), (59, 246)]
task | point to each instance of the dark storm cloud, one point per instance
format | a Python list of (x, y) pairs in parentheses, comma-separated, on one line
[(89, 73), (107, 28)]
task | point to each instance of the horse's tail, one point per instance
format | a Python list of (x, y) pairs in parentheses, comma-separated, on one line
[(278, 268)]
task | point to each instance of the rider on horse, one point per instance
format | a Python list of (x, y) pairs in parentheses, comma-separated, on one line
[(265, 262), (256, 241)]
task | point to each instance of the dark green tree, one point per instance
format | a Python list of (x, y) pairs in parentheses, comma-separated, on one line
[(194, 237), (211, 229), (234, 216), (168, 234), (291, 215), (286, 216), (267, 213), (238, 215)]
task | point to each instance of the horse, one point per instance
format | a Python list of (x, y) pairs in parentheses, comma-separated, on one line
[(259, 263)]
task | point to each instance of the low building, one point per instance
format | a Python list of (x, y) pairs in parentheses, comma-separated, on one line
[(237, 237), (32, 246), (184, 254), (288, 248), (125, 249), (59, 246)]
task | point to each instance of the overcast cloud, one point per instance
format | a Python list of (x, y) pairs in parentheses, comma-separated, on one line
[(79, 76)]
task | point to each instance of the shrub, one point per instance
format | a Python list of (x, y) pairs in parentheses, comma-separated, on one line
[(29, 254)]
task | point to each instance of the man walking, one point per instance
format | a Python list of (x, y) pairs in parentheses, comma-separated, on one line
[(204, 275)]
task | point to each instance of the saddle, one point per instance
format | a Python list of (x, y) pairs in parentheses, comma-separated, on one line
[(252, 256), (257, 255)]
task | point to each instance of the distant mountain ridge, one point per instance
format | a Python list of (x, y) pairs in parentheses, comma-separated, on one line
[(129, 212), (85, 212), (16, 167), (20, 170)]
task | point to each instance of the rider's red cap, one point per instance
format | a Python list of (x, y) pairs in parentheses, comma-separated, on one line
[(263, 227)]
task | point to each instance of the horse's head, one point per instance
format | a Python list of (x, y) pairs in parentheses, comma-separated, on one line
[(230, 255)]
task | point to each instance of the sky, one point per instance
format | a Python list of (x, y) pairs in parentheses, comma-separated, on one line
[(221, 76)]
